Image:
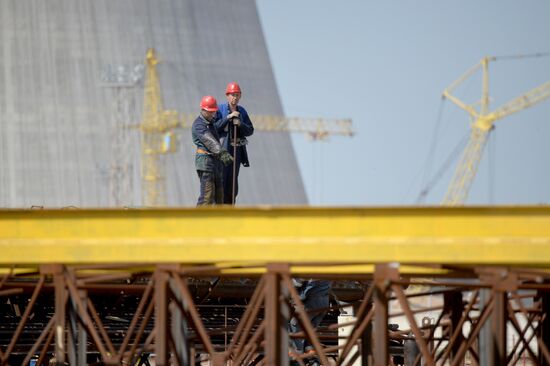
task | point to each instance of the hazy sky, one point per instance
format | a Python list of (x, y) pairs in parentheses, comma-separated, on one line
[(385, 64)]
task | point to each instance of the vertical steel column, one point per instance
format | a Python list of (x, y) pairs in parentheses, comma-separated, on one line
[(452, 305), (72, 332), (161, 317), (493, 352), (276, 330), (498, 327), (179, 327), (366, 341), (544, 323), (484, 339), (82, 335), (182, 347), (76, 335), (60, 297), (381, 283)]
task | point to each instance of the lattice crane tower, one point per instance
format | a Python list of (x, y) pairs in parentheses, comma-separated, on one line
[(122, 81), (156, 123), (482, 123)]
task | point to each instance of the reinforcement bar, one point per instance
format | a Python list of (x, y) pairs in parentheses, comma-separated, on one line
[(438, 235)]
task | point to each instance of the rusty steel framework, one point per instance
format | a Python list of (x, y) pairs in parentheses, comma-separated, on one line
[(481, 313)]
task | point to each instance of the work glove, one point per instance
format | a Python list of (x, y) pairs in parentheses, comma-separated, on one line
[(226, 157), (232, 115)]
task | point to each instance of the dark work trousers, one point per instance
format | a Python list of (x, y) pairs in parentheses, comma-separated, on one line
[(314, 295), (211, 190), (228, 177)]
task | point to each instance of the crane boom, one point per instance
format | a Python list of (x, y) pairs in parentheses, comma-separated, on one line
[(527, 100), (483, 123), (316, 128)]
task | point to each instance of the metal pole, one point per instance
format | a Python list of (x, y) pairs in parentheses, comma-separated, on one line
[(381, 352), (276, 317), (366, 347), (82, 350), (484, 339), (60, 291), (233, 176), (72, 334), (161, 318), (544, 330), (453, 306), (179, 327), (498, 323)]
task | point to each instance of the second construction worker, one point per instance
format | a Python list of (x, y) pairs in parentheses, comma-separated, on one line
[(210, 156), (232, 118), (314, 295)]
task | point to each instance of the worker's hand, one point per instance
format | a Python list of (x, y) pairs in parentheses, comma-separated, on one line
[(226, 157), (233, 115), (297, 282)]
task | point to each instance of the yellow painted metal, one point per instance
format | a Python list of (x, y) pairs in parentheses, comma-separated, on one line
[(482, 123), (157, 122), (352, 236), (344, 269), (18, 271), (315, 128)]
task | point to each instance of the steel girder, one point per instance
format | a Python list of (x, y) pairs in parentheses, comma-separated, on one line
[(480, 271), (464, 235)]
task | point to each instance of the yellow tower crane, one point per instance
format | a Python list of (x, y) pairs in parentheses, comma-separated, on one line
[(158, 138), (157, 122), (482, 122)]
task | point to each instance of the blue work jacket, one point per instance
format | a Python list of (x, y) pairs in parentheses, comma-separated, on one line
[(225, 131)]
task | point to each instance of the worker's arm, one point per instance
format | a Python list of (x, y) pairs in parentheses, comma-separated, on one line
[(220, 124), (211, 143), (203, 136)]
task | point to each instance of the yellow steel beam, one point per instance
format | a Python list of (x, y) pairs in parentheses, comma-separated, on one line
[(438, 235)]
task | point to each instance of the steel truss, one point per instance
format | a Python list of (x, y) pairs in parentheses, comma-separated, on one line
[(168, 323)]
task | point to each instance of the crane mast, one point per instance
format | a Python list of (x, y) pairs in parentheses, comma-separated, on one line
[(156, 123), (482, 123), (467, 168)]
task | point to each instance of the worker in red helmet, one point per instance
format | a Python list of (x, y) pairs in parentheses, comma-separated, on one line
[(234, 126), (210, 156)]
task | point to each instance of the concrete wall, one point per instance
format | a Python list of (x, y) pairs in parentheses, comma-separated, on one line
[(62, 112)]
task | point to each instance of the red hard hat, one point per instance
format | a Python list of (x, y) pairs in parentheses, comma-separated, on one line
[(232, 88), (208, 103)]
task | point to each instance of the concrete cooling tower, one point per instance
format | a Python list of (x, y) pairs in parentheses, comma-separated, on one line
[(71, 90)]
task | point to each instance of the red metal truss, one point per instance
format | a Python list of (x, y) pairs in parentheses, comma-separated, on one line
[(502, 309)]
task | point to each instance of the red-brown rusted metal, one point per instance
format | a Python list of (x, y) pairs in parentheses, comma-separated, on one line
[(165, 314)]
